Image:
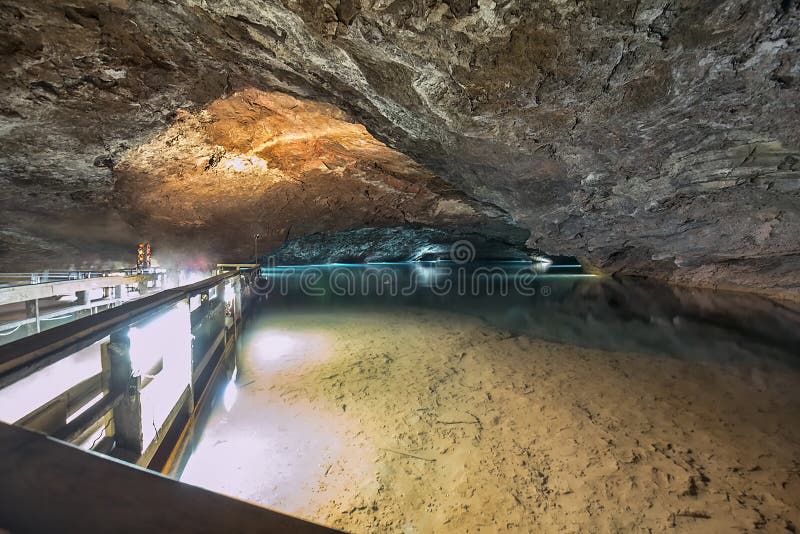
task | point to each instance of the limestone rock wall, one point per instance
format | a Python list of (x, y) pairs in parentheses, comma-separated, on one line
[(656, 137)]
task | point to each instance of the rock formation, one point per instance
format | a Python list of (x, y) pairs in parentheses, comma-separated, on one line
[(269, 164), (655, 137)]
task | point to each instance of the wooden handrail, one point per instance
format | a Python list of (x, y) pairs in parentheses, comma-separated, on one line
[(48, 486), (23, 357), (122, 499)]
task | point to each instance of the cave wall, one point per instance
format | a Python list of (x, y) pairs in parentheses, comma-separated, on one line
[(656, 137), (268, 164)]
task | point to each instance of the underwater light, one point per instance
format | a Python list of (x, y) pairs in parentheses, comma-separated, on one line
[(270, 346), (231, 391)]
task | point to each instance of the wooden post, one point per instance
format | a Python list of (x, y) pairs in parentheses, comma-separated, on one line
[(32, 308), (128, 413), (32, 311), (237, 287)]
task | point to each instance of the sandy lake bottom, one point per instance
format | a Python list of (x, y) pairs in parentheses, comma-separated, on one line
[(415, 420)]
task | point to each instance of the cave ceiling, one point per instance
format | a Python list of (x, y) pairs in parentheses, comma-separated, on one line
[(653, 137)]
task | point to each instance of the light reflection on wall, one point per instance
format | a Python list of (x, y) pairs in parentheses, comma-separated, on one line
[(21, 398), (161, 352), (214, 169), (230, 293)]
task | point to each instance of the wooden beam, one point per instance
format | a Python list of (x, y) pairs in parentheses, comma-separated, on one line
[(53, 415), (184, 405), (9, 295), (201, 365), (48, 486), (128, 411), (78, 426), (59, 311)]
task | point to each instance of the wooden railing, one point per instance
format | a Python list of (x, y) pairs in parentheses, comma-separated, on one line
[(127, 381)]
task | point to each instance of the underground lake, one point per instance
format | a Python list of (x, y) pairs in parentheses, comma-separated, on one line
[(439, 397)]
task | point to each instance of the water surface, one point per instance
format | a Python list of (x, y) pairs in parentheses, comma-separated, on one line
[(442, 397)]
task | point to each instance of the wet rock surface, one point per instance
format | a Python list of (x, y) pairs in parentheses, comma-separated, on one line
[(649, 137), (366, 245)]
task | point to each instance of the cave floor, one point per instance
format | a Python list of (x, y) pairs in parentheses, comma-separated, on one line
[(411, 420)]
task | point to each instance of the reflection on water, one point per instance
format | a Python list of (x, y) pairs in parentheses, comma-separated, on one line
[(562, 305), (439, 397)]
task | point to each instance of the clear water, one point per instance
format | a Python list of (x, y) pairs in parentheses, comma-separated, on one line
[(434, 397), (562, 304)]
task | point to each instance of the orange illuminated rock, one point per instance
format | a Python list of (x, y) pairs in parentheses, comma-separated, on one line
[(268, 163)]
